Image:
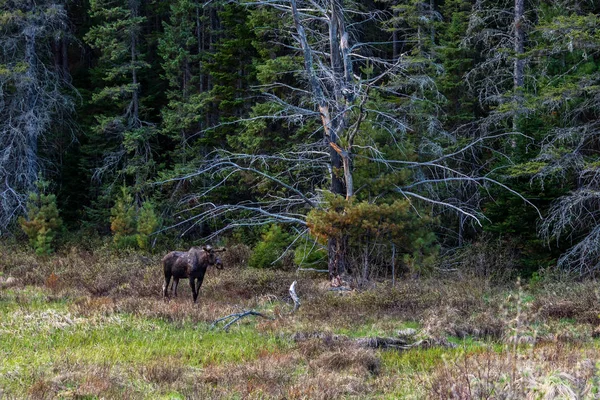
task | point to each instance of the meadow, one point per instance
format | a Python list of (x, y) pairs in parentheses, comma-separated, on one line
[(91, 324)]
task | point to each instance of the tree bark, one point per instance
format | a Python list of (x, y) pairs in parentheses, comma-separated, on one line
[(519, 63), (32, 129), (395, 37)]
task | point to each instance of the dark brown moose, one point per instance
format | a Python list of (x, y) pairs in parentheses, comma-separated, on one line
[(190, 264)]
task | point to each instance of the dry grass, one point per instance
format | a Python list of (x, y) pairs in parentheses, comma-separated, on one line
[(521, 341), (331, 375), (568, 300), (77, 382), (164, 371), (548, 371)]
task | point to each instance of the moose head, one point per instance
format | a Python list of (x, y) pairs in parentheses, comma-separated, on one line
[(213, 258)]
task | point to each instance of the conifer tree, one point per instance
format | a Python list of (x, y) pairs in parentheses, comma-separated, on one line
[(181, 50), (569, 100), (121, 131)]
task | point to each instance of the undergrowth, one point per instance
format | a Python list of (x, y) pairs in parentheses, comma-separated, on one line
[(93, 324)]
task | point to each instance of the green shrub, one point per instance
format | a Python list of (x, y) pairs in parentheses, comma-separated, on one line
[(132, 225), (146, 224), (273, 244), (123, 221), (377, 230), (310, 255), (43, 220)]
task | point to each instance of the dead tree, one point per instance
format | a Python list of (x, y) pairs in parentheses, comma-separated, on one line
[(32, 96), (338, 95)]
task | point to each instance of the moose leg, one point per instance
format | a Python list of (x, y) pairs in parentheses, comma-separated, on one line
[(166, 286), (175, 284), (197, 288), (193, 286)]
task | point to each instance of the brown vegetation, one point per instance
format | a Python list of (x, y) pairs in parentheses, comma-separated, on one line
[(544, 332)]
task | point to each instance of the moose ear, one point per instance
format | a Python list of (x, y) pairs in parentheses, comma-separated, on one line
[(207, 248), (222, 249)]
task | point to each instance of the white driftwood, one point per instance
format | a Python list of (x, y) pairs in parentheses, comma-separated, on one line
[(294, 296)]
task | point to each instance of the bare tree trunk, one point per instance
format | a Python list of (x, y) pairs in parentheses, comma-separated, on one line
[(212, 117), (135, 101), (64, 46), (395, 38), (393, 264), (461, 221), (32, 130), (200, 39), (432, 14), (56, 52), (135, 97), (366, 262), (338, 247), (519, 64)]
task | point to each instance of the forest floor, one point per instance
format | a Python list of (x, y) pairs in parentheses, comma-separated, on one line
[(93, 324)]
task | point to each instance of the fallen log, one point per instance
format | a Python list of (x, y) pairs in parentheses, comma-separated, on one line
[(385, 343)]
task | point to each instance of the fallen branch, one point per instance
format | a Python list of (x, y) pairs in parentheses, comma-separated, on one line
[(236, 317), (340, 289), (312, 270), (294, 296)]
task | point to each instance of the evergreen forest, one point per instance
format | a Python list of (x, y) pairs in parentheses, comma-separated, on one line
[(369, 138), (377, 199)]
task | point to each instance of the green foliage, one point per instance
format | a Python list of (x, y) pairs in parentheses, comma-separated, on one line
[(271, 247), (123, 220), (167, 83), (43, 221), (363, 223), (311, 255), (121, 138), (131, 226), (146, 224)]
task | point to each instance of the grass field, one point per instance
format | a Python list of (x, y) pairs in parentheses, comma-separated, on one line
[(89, 325)]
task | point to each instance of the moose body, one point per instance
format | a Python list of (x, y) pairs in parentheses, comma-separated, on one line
[(191, 264)]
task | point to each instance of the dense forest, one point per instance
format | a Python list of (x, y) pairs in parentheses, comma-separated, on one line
[(370, 138)]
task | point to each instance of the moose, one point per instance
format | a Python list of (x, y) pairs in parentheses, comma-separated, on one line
[(190, 264)]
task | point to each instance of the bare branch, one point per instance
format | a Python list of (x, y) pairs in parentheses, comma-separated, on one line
[(236, 317)]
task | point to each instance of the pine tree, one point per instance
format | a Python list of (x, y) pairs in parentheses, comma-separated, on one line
[(122, 134), (181, 50), (43, 221), (569, 100)]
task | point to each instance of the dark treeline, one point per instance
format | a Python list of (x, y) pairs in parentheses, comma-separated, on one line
[(368, 137)]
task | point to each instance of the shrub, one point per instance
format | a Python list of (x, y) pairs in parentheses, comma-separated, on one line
[(310, 255), (132, 225), (146, 224), (236, 256), (488, 258), (43, 220), (268, 252), (372, 232), (123, 220)]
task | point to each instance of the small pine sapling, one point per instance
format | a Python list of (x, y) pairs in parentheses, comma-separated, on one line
[(43, 221)]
